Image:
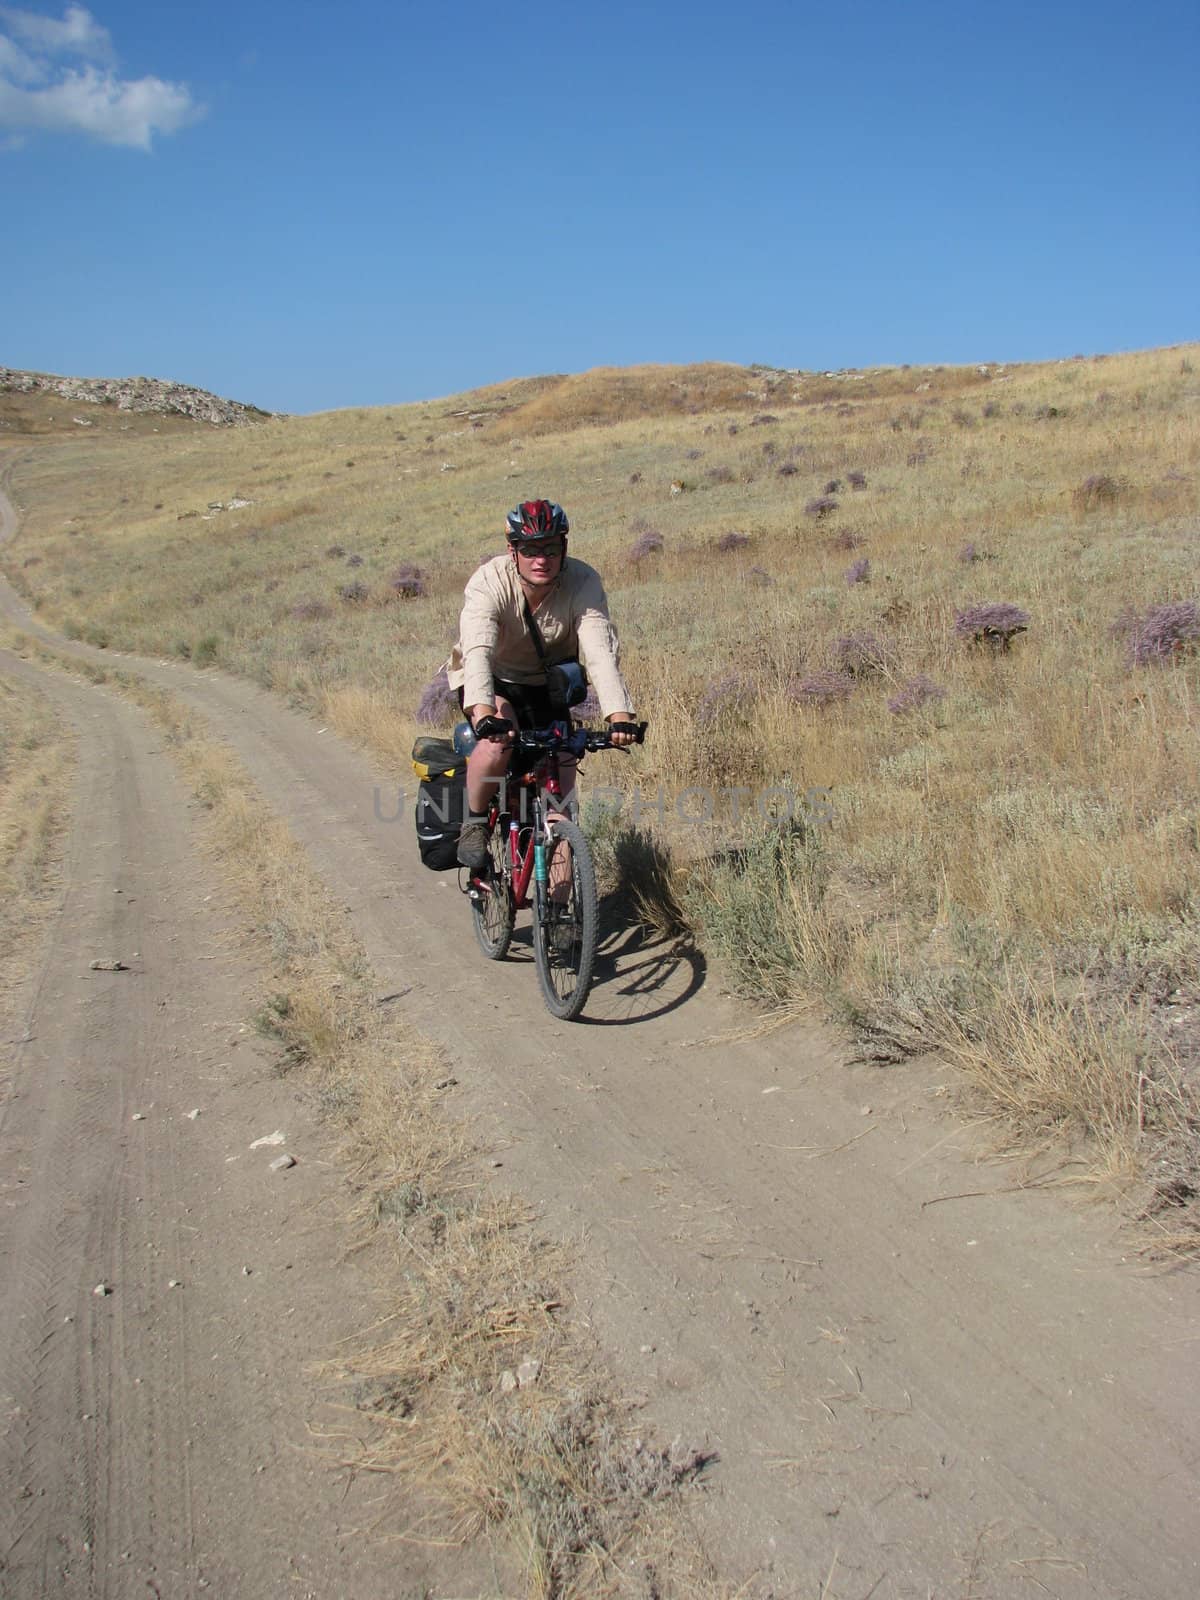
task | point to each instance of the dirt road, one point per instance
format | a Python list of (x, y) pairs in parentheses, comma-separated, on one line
[(910, 1394)]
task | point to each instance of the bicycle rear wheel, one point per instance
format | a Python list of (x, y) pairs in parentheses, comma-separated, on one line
[(492, 909), (565, 929)]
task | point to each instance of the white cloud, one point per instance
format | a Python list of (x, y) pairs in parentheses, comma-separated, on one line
[(78, 34), (38, 92), (16, 66)]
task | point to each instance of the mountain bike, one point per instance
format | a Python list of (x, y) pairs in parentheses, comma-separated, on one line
[(539, 857)]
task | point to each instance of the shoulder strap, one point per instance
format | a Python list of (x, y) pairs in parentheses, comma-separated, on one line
[(535, 632)]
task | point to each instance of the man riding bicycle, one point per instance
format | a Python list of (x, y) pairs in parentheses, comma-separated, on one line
[(523, 612)]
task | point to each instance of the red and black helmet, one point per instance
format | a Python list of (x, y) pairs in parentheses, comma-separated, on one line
[(537, 519)]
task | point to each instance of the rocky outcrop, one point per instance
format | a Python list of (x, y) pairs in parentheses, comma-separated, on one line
[(137, 394)]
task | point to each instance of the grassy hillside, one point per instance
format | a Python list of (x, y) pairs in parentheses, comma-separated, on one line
[(1011, 874)]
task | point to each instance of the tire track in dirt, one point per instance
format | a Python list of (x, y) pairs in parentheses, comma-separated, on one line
[(69, 1109), (974, 1398), (153, 1439)]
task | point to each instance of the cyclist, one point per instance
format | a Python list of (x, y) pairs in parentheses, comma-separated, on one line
[(498, 668)]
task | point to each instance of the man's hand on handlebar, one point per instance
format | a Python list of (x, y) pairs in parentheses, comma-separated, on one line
[(623, 728), (498, 729)]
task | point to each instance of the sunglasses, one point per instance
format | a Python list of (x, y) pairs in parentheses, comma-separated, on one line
[(541, 547)]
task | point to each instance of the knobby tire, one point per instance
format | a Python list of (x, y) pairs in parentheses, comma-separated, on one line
[(494, 914), (566, 976)]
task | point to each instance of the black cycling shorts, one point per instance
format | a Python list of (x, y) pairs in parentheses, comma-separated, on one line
[(531, 702)]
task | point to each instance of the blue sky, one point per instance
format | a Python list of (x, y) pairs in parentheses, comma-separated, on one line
[(306, 206)]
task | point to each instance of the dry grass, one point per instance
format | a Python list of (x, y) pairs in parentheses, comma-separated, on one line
[(551, 1468), (1042, 808), (37, 760)]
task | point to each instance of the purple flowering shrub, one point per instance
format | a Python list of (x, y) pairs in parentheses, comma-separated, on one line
[(970, 552), (1160, 635), (438, 704), (723, 696), (847, 539), (914, 694), (860, 653), (826, 687), (857, 480), (408, 582), (823, 506), (646, 544), (732, 541), (354, 592), (993, 622), (310, 610), (761, 577), (858, 571), (588, 708), (788, 469), (649, 542), (354, 561), (1098, 490)]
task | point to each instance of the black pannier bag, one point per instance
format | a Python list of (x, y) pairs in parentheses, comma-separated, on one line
[(441, 801)]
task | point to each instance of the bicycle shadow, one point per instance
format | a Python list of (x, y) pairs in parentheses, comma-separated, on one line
[(640, 974)]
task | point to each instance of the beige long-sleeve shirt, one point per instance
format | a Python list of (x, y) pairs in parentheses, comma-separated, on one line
[(495, 642)]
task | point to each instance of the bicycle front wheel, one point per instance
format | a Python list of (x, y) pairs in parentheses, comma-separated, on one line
[(566, 920), (492, 909)]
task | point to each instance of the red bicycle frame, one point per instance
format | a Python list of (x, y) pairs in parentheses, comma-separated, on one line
[(523, 860)]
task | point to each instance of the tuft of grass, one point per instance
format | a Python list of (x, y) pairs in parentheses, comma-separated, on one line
[(757, 908), (37, 759), (1054, 1067), (637, 869)]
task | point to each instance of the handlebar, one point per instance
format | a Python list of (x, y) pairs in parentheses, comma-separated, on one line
[(561, 737)]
